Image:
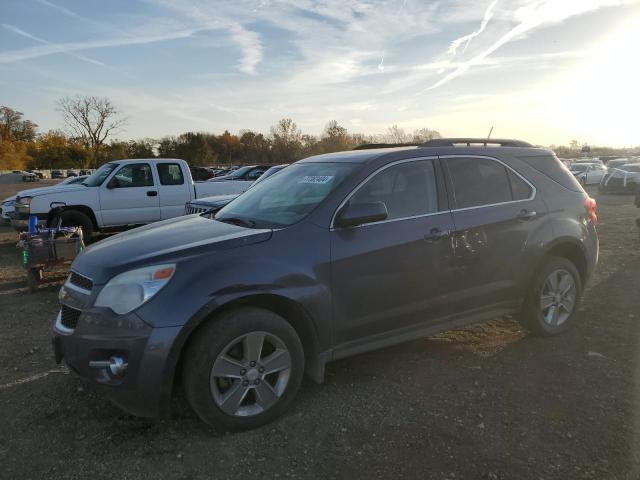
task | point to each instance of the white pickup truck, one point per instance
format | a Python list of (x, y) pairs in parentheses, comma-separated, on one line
[(120, 194)]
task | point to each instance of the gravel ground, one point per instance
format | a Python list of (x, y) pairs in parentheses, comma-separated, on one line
[(486, 402)]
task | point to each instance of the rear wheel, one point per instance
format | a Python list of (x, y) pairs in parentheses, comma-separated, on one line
[(243, 369), (553, 298)]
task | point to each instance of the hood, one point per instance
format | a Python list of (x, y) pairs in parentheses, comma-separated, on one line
[(159, 242), (215, 200), (36, 192)]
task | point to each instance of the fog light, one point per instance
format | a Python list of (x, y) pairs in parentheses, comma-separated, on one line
[(117, 365)]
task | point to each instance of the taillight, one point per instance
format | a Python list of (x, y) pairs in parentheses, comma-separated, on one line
[(590, 206)]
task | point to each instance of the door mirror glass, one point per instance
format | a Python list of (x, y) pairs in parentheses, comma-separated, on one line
[(361, 213)]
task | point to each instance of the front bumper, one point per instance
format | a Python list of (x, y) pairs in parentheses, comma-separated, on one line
[(145, 387), (20, 221)]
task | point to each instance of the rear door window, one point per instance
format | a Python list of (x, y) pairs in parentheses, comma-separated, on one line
[(478, 181), (520, 189), (170, 174)]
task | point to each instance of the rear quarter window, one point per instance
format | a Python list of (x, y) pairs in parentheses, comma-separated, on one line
[(553, 168)]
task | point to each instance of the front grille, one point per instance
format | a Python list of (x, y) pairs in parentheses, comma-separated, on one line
[(191, 209), (69, 317), (81, 281)]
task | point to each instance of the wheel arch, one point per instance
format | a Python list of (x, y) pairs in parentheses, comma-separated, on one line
[(285, 307), (572, 250), (88, 211)]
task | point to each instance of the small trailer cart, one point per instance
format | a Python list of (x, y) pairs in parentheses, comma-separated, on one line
[(48, 247)]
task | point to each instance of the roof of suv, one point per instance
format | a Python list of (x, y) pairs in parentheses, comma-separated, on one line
[(439, 147)]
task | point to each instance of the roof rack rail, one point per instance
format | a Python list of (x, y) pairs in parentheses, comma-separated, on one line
[(452, 142), (370, 146)]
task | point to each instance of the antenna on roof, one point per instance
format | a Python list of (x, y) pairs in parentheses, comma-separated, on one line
[(490, 132)]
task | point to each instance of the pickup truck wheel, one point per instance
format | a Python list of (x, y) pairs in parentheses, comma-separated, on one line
[(243, 369), (75, 218), (553, 298)]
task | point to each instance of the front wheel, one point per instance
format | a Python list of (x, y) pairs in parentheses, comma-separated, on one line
[(553, 298), (75, 218), (243, 369)]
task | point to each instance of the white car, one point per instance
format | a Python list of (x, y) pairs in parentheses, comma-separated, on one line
[(120, 194), (588, 173), (6, 208)]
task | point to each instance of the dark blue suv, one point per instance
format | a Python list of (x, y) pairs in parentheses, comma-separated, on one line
[(336, 255)]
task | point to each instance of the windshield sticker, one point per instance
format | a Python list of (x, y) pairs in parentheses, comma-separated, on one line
[(317, 179)]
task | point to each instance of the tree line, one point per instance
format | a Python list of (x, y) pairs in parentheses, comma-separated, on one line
[(91, 124)]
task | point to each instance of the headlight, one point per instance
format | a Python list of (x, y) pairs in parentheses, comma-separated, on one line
[(24, 201), (129, 290)]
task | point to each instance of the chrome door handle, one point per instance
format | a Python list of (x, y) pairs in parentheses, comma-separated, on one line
[(526, 214)]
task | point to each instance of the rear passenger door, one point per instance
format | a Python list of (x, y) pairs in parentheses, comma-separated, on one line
[(494, 210), (174, 190)]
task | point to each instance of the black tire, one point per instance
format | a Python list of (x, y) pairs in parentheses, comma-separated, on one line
[(75, 218), (531, 315), (211, 340)]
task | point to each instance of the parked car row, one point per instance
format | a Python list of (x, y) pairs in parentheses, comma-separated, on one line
[(332, 256), (622, 179), (122, 194), (620, 175), (210, 205)]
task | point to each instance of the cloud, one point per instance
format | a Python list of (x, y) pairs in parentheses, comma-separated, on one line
[(207, 16), (22, 33), (530, 17), (62, 10), (48, 48), (466, 39), (249, 43)]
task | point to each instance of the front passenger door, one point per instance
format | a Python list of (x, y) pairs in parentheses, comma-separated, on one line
[(393, 274), (130, 197)]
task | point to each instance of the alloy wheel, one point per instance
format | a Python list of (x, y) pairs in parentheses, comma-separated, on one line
[(250, 374), (558, 297)]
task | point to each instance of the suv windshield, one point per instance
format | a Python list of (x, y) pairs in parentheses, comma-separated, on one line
[(286, 198), (100, 175)]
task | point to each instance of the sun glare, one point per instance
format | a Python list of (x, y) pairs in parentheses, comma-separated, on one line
[(601, 96)]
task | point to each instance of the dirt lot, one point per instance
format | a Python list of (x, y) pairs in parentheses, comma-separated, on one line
[(487, 402)]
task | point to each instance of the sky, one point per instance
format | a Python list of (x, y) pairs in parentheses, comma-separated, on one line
[(545, 71)]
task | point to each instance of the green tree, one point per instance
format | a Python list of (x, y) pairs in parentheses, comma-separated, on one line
[(287, 141), (335, 138), (13, 127), (55, 150)]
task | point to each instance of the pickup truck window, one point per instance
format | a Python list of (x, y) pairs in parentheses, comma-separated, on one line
[(100, 175), (133, 175), (170, 174), (286, 198)]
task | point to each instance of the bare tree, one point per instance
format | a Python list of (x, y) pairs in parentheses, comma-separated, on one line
[(91, 119), (395, 134)]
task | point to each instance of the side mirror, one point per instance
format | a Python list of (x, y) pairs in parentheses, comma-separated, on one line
[(361, 213)]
